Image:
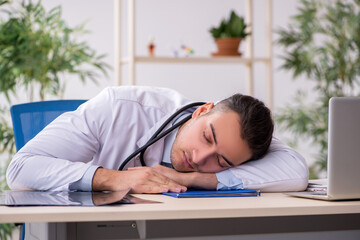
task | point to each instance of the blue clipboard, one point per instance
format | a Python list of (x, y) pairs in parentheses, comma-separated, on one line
[(210, 194)]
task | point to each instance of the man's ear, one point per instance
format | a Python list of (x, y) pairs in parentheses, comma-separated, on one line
[(203, 109)]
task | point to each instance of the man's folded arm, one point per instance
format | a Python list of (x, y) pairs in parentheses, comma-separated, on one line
[(60, 154), (39, 165)]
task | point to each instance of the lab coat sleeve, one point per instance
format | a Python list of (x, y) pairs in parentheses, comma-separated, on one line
[(61, 153), (281, 169)]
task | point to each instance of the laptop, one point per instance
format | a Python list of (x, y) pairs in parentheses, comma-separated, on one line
[(343, 178)]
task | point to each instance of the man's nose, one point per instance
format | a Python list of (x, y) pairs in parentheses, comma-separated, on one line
[(203, 155)]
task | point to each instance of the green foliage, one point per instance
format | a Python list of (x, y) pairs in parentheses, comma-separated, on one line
[(37, 49), (7, 145), (6, 230), (37, 46), (322, 42), (234, 27)]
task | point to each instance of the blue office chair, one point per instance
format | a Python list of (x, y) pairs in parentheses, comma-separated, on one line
[(30, 118)]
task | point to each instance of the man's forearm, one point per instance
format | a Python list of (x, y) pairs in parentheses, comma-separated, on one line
[(139, 180)]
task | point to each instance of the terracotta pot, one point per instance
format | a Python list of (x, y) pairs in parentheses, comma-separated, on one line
[(227, 47)]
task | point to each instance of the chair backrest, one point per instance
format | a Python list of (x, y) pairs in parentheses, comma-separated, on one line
[(29, 119)]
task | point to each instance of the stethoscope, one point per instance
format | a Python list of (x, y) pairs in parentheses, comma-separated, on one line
[(159, 134)]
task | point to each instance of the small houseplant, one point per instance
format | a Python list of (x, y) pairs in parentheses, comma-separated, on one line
[(228, 35)]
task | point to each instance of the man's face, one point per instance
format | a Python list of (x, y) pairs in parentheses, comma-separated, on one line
[(209, 142)]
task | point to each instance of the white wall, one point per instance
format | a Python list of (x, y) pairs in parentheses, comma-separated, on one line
[(173, 23), (182, 22)]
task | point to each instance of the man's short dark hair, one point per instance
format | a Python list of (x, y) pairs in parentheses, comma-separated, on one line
[(257, 125)]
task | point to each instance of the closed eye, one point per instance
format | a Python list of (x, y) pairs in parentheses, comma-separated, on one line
[(206, 138), (220, 164), (223, 165), (222, 156)]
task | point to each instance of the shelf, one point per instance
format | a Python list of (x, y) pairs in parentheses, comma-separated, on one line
[(247, 59), (217, 60)]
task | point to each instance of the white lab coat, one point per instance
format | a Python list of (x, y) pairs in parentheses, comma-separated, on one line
[(109, 127)]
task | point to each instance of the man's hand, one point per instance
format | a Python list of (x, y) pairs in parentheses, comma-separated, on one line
[(139, 180), (189, 179)]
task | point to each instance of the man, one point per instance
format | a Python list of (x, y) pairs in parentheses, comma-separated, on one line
[(82, 150)]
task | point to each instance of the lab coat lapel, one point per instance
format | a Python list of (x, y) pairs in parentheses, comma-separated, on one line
[(154, 153)]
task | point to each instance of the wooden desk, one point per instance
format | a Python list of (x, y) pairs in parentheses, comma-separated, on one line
[(270, 213)]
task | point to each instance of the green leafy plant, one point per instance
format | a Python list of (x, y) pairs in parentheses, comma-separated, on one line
[(37, 46), (6, 230), (322, 43), (7, 145), (37, 49), (234, 27)]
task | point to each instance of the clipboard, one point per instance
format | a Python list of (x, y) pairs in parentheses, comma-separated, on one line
[(215, 193)]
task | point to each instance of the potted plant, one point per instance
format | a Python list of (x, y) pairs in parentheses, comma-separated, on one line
[(229, 35), (321, 43), (38, 50)]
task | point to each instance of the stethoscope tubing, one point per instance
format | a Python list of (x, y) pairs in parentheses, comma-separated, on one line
[(159, 134)]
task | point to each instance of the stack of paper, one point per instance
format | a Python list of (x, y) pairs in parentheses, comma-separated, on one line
[(317, 185)]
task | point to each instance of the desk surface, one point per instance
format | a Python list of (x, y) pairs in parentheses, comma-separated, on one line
[(269, 204)]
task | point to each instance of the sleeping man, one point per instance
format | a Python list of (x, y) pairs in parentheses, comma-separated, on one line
[(229, 145)]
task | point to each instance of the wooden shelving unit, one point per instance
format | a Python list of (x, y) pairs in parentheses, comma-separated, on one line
[(247, 60)]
